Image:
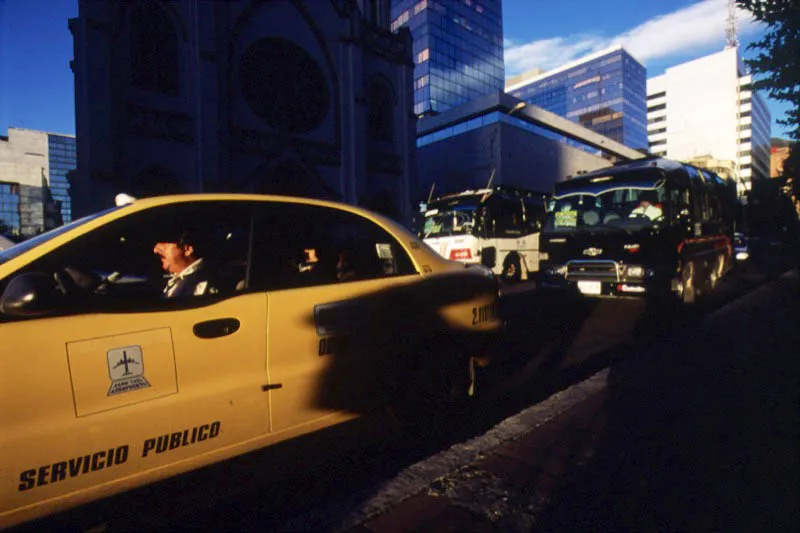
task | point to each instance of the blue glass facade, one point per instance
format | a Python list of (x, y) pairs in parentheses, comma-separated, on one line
[(62, 160), (10, 223), (494, 117), (457, 47), (607, 94)]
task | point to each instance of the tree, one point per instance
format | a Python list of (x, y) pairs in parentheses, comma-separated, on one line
[(778, 61)]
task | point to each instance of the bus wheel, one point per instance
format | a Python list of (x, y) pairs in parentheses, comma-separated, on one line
[(688, 294), (512, 268)]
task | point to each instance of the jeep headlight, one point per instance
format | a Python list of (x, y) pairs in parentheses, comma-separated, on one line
[(635, 271)]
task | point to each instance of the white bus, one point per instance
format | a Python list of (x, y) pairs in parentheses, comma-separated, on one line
[(497, 227)]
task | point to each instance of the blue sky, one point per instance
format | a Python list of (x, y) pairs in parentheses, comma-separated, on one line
[(36, 84)]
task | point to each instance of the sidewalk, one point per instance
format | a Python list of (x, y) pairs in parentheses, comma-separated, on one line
[(489, 493), (694, 432)]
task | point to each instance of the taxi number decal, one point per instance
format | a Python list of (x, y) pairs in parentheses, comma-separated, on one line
[(484, 313), (59, 471)]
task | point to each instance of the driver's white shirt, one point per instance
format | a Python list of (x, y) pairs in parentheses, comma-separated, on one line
[(172, 283), (652, 212)]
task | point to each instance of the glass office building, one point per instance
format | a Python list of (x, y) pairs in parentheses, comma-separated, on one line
[(62, 159), (458, 50), (605, 92), (10, 223)]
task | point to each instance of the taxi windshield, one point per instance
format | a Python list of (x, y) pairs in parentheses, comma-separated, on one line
[(19, 249), (456, 220), (629, 208)]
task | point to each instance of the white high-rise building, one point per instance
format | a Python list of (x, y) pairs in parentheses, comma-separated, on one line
[(705, 111)]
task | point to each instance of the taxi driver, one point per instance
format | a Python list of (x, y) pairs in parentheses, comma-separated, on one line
[(183, 259)]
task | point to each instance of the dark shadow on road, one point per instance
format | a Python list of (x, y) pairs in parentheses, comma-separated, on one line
[(703, 431)]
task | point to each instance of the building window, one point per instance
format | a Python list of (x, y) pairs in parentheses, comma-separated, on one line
[(662, 94), (657, 108), (658, 143), (657, 119), (381, 110), (424, 55), (154, 50), (9, 209), (656, 132)]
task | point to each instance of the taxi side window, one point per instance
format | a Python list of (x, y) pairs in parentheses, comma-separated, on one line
[(303, 246), (115, 268)]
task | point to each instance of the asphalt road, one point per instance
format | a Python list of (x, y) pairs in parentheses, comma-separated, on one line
[(552, 342)]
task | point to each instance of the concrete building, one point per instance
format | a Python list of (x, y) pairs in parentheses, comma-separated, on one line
[(705, 109), (302, 97), (457, 50), (34, 191), (604, 92), (500, 138)]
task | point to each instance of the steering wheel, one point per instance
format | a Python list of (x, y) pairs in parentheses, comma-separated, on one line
[(64, 282), (102, 286), (70, 280)]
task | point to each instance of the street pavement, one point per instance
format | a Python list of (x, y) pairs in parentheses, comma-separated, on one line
[(695, 428)]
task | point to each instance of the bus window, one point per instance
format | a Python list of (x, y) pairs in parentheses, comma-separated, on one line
[(506, 218), (679, 205)]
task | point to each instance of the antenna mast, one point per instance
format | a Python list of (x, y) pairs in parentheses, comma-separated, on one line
[(731, 31)]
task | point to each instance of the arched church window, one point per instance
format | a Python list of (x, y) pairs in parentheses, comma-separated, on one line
[(284, 85), (154, 50), (381, 110)]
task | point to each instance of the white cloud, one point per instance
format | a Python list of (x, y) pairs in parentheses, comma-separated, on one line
[(692, 28)]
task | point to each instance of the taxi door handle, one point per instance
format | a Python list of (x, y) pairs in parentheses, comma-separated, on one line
[(219, 327)]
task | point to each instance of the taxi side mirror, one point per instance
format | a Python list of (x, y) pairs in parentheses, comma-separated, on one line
[(29, 295)]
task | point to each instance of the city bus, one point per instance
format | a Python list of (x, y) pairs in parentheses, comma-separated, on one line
[(651, 227), (497, 227)]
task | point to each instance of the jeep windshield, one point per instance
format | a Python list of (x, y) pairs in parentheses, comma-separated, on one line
[(607, 203)]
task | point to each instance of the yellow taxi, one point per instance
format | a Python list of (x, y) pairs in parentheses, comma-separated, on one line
[(173, 332)]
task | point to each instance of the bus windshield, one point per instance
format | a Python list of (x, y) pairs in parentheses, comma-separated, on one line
[(628, 208), (454, 220)]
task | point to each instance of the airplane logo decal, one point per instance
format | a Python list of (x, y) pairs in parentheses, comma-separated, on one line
[(126, 370)]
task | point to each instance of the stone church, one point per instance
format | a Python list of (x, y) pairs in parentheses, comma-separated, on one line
[(298, 97)]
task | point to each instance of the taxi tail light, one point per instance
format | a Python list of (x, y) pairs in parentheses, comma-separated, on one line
[(460, 254)]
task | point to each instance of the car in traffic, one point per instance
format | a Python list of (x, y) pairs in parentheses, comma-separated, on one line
[(294, 315), (647, 228)]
